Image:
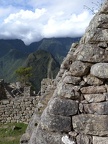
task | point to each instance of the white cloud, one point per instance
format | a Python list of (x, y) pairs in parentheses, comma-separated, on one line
[(5, 11), (47, 19)]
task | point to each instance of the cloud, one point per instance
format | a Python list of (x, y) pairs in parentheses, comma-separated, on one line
[(5, 11), (46, 19)]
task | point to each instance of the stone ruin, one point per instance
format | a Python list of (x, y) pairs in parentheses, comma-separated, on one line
[(2, 90), (20, 107), (13, 90), (77, 112)]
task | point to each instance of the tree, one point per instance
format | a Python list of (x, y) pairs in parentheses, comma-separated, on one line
[(24, 74)]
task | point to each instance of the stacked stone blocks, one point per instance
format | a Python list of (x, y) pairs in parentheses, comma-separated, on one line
[(17, 110)]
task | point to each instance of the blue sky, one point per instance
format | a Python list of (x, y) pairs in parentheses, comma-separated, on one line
[(32, 20)]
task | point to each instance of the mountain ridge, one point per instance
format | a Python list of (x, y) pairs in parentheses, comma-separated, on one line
[(14, 54)]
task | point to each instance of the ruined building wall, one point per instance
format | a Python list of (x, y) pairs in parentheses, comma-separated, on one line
[(21, 108), (17, 110)]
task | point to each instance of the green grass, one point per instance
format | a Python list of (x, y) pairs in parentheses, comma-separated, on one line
[(11, 133)]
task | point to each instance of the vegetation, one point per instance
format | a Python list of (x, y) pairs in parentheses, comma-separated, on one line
[(11, 133), (24, 74), (44, 66)]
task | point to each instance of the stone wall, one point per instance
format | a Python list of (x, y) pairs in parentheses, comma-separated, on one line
[(21, 108), (18, 109), (2, 90)]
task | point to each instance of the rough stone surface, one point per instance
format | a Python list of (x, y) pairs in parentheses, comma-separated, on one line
[(68, 91), (97, 108), (55, 123), (93, 89), (25, 138), (89, 53), (71, 80), (2, 90), (91, 124), (78, 68), (100, 70), (92, 80), (63, 107), (42, 136), (84, 139), (95, 97), (104, 8), (100, 140)]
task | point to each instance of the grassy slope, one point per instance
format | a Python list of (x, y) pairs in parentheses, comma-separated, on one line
[(11, 133)]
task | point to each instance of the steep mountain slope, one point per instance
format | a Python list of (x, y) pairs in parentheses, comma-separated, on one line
[(58, 47), (44, 66), (14, 53), (6, 45), (9, 63)]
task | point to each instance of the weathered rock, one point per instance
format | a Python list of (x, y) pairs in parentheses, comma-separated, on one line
[(84, 139), (106, 96), (55, 122), (102, 44), (104, 8), (5, 102), (68, 91), (33, 123), (97, 108), (72, 80), (93, 89), (92, 80), (89, 53), (72, 134), (94, 32), (95, 97), (42, 136), (2, 90), (63, 107), (79, 68), (100, 70), (74, 46), (91, 124), (100, 35), (25, 139), (100, 140), (67, 61)]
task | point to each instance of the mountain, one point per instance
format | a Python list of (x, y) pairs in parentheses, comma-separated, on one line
[(44, 66), (58, 47), (9, 63), (44, 56), (42, 62)]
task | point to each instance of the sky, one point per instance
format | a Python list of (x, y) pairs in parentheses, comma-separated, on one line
[(33, 20)]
